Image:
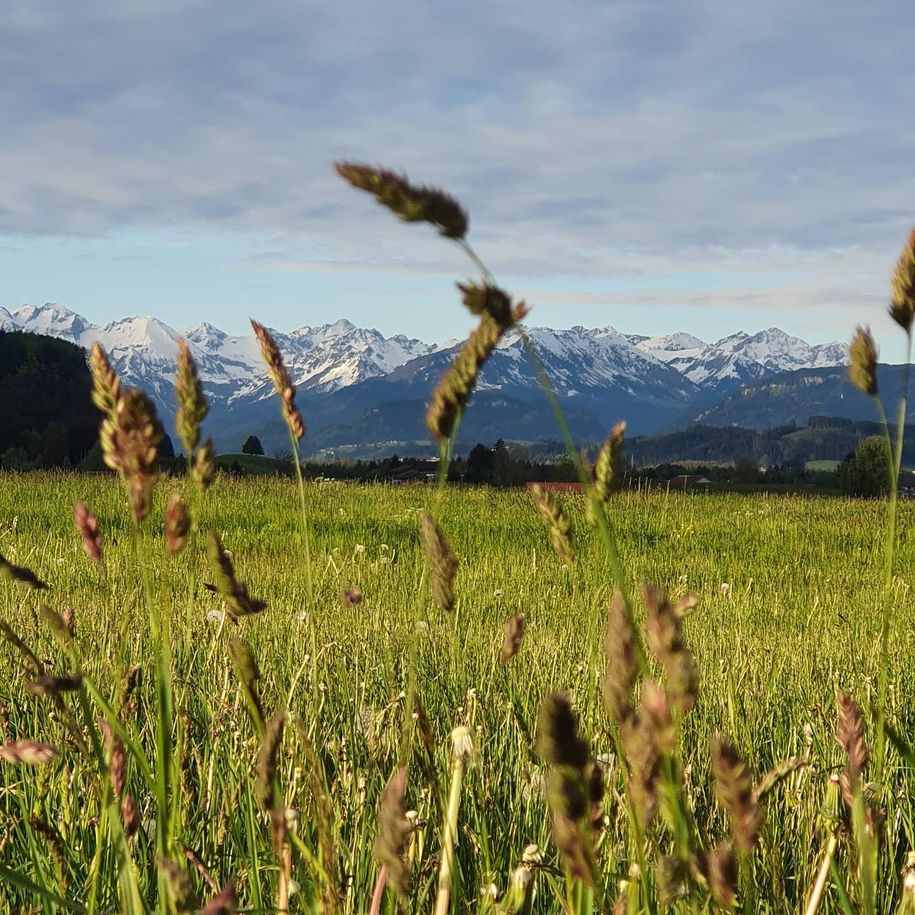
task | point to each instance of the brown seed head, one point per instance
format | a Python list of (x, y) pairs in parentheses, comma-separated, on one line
[(106, 386), (265, 770), (409, 202), (394, 830), (351, 597), (622, 657), (734, 789), (550, 510), (440, 561), (87, 526), (574, 785), (177, 523), (21, 574), (235, 593), (192, 405), (130, 437), (223, 903), (862, 361), (720, 871), (902, 295), (27, 752), (514, 636), (130, 816), (282, 380)]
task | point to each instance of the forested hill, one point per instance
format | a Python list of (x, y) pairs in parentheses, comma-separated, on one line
[(46, 414), (822, 438)]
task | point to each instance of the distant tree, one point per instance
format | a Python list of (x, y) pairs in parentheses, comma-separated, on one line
[(252, 445), (15, 459), (865, 472)]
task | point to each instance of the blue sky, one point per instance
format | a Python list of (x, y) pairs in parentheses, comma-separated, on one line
[(698, 165)]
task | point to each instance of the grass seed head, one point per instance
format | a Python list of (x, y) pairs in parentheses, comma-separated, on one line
[(223, 903), (850, 735), (192, 405), (664, 631), (265, 770), (130, 816), (49, 685), (235, 593), (87, 527), (130, 437), (621, 654), (394, 830), (282, 380), (608, 473), (560, 529), (734, 789), (106, 386), (637, 736), (720, 872), (178, 885), (440, 561), (27, 752), (21, 574), (514, 636), (486, 299), (574, 785), (457, 383), (60, 630), (203, 468), (248, 674), (902, 294), (177, 523), (409, 202), (862, 361)]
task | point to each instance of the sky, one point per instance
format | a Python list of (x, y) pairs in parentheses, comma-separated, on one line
[(656, 165)]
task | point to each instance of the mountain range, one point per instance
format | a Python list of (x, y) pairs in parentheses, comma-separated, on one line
[(364, 393)]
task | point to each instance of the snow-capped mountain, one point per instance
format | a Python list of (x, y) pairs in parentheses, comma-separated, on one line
[(344, 372), (740, 358)]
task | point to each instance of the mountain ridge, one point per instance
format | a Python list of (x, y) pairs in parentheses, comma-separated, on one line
[(344, 372)]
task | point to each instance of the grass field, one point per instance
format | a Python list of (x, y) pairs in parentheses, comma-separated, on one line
[(789, 611)]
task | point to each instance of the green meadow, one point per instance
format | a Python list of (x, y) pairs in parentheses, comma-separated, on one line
[(789, 611)]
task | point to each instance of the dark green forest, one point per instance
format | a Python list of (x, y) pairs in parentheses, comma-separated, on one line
[(46, 415)]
